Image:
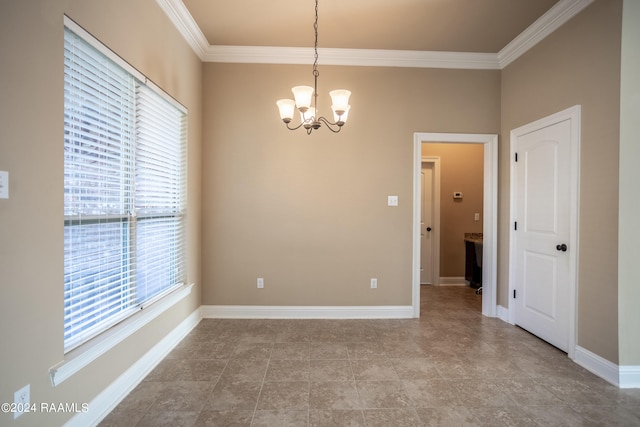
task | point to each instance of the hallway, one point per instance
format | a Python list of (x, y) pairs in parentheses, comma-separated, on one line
[(451, 367)]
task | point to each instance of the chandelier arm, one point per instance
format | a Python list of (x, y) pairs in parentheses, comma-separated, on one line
[(330, 124), (294, 128)]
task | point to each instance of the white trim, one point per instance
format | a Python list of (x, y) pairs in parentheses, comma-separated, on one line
[(574, 115), (186, 25), (553, 19), (113, 394), (490, 209), (305, 312), (352, 57), (87, 353), (629, 377), (541, 28), (436, 216), (597, 365), (503, 313), (452, 281)]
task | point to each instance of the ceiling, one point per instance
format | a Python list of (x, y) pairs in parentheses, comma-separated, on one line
[(425, 33), (425, 25)]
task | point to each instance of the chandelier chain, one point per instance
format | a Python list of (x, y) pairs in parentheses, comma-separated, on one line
[(316, 73), (315, 28)]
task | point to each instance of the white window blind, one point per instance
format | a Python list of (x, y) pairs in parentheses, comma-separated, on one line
[(124, 192), (159, 193)]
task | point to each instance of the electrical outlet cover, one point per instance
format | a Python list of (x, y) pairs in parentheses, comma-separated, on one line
[(22, 400)]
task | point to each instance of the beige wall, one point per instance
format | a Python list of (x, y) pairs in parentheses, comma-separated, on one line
[(577, 64), (309, 213), (31, 221), (461, 169)]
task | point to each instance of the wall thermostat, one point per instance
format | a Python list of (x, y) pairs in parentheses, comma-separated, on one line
[(457, 195)]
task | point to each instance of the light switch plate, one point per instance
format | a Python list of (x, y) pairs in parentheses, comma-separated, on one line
[(392, 201), (4, 185)]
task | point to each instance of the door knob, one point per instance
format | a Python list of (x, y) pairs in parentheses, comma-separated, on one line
[(562, 247), (428, 228)]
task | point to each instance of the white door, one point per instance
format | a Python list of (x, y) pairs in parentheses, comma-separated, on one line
[(426, 225), (541, 292)]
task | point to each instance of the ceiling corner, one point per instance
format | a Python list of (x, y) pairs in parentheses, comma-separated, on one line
[(553, 19), (186, 25)]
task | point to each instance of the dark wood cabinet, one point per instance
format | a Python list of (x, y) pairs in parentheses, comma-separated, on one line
[(473, 263)]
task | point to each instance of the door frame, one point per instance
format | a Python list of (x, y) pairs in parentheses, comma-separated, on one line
[(572, 114), (435, 248), (490, 211)]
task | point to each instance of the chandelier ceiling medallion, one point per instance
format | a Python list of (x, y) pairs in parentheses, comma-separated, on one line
[(303, 101)]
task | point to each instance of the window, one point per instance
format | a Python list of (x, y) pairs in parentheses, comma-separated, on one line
[(124, 190)]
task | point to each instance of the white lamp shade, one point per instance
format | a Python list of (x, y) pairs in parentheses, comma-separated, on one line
[(303, 95), (341, 118), (286, 107), (340, 99)]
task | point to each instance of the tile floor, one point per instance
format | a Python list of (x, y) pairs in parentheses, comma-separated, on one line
[(451, 367)]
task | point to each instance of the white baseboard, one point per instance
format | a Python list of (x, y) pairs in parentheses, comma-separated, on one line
[(629, 377), (502, 313), (600, 366), (306, 312), (109, 398), (453, 281)]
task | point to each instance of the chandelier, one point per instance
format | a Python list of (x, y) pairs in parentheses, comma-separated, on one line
[(308, 110)]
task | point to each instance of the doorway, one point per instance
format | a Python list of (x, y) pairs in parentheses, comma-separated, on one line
[(430, 221), (490, 209)]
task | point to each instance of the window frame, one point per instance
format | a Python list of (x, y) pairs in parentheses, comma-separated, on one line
[(80, 354)]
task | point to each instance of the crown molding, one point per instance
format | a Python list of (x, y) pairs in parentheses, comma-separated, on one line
[(553, 19), (354, 57), (186, 25), (545, 25)]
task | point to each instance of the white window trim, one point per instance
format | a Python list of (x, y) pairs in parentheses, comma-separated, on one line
[(88, 352), (83, 355)]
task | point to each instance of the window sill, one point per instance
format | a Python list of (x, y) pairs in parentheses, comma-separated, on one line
[(87, 353)]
